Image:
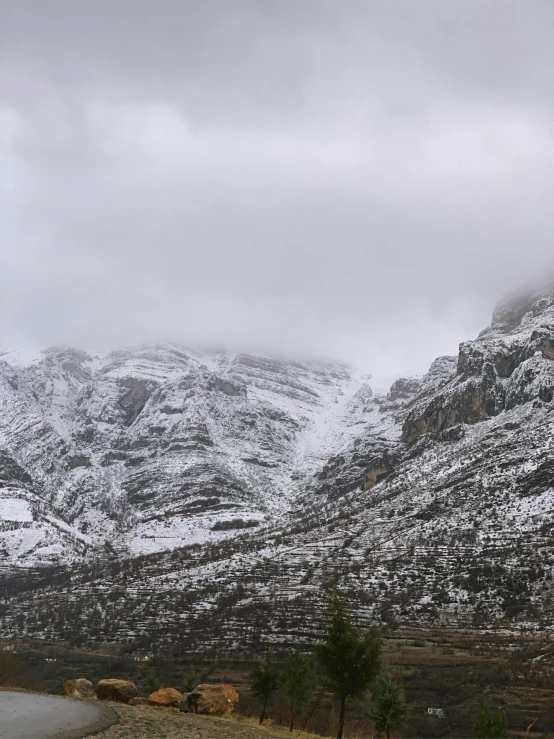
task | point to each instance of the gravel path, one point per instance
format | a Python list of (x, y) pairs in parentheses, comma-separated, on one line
[(152, 723), (32, 716)]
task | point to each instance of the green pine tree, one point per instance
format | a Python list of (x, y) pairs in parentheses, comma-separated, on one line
[(152, 684), (349, 658), (297, 684), (264, 682), (389, 710), (190, 680), (491, 725)]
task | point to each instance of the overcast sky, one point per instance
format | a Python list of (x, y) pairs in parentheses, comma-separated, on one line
[(357, 179)]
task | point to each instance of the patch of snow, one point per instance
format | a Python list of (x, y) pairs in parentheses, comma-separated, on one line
[(14, 509), (22, 357)]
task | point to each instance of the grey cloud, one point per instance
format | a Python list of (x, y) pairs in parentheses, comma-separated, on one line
[(352, 179)]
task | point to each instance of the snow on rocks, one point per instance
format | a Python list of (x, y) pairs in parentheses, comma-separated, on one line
[(147, 449)]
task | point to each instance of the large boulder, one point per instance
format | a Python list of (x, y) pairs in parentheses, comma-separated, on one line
[(166, 698), (120, 691), (80, 688), (215, 700)]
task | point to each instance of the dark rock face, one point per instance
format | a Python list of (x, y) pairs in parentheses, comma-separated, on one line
[(229, 388), (404, 388), (509, 314), (379, 467), (11, 471), (135, 397), (361, 465), (470, 402), (77, 460)]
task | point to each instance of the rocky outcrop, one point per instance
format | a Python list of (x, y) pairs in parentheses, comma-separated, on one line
[(533, 378), (79, 688), (77, 460), (381, 465), (468, 402), (165, 698), (229, 388), (509, 313), (134, 397), (214, 700), (510, 364), (120, 691), (404, 388), (11, 471)]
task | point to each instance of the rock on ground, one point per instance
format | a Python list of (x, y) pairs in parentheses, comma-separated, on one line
[(165, 697), (80, 688), (214, 700), (120, 691)]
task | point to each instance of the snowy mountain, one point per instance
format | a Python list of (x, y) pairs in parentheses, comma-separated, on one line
[(434, 507), (143, 450)]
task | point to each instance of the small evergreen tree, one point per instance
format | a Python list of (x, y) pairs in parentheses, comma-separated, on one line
[(349, 658), (297, 684), (190, 680), (152, 684), (264, 682), (491, 724), (389, 710)]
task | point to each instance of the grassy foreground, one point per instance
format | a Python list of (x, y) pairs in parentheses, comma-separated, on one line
[(143, 722)]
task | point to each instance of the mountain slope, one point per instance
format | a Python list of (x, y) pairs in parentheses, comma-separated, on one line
[(437, 510), (152, 448)]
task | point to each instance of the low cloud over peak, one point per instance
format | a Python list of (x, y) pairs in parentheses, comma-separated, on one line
[(316, 177)]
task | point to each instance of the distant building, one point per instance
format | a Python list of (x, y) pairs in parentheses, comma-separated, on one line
[(438, 712), (141, 658)]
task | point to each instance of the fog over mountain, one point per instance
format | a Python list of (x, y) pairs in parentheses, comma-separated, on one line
[(359, 180)]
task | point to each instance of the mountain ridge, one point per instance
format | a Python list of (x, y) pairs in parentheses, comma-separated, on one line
[(437, 510), (166, 437)]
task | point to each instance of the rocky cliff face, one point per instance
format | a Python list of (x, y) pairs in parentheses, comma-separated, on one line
[(154, 448), (511, 363)]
